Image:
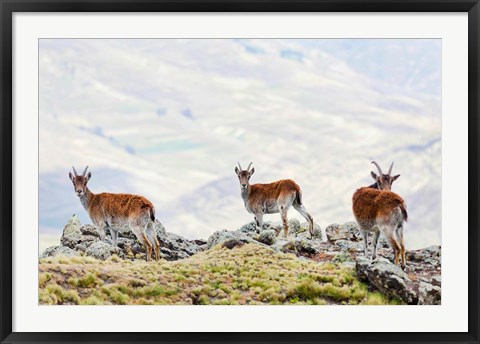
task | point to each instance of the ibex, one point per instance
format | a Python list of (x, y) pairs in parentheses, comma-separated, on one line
[(114, 211), (276, 197), (377, 210)]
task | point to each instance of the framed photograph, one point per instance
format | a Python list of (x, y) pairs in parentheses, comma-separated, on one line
[(271, 171)]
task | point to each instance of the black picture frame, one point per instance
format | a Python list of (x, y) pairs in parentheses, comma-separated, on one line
[(9, 7)]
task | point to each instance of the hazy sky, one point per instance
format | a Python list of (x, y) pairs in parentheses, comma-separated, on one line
[(169, 119)]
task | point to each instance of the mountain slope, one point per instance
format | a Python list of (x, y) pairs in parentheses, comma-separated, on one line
[(169, 119)]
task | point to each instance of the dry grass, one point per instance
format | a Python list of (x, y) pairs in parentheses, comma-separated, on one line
[(244, 275)]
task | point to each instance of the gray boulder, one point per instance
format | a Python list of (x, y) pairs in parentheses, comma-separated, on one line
[(160, 228), (306, 246), (221, 236), (250, 228), (297, 245), (77, 236), (53, 251), (169, 254), (347, 231), (429, 294), (283, 245), (387, 277), (82, 246), (318, 234), (351, 228), (304, 227), (103, 250), (267, 236), (85, 239), (174, 247), (305, 231), (89, 230), (335, 232), (349, 246), (430, 255), (437, 281), (72, 235), (294, 227)]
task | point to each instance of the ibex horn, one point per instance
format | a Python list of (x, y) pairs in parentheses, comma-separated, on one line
[(75, 171), (84, 171), (239, 166), (390, 169), (248, 168), (379, 169)]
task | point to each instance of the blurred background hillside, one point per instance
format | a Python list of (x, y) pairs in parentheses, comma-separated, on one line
[(169, 119)]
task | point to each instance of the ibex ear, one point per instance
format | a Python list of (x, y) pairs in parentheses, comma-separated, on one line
[(237, 171), (89, 175), (71, 176), (395, 177), (374, 176), (251, 171)]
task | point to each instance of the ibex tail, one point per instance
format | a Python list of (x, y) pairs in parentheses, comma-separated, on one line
[(404, 211), (298, 198), (151, 211), (152, 214)]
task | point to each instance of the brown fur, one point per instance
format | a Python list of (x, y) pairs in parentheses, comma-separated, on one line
[(271, 192), (113, 211), (272, 198), (276, 197), (384, 210), (372, 203), (120, 206)]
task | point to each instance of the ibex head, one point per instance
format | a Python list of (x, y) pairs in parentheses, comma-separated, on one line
[(244, 175), (80, 182), (384, 181)]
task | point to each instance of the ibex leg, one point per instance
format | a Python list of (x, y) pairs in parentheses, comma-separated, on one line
[(152, 237), (142, 238), (284, 212), (259, 221), (392, 239), (114, 234), (402, 243), (101, 231), (148, 246), (375, 243), (365, 242), (301, 209)]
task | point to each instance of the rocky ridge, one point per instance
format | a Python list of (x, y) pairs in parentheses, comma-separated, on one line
[(419, 283)]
